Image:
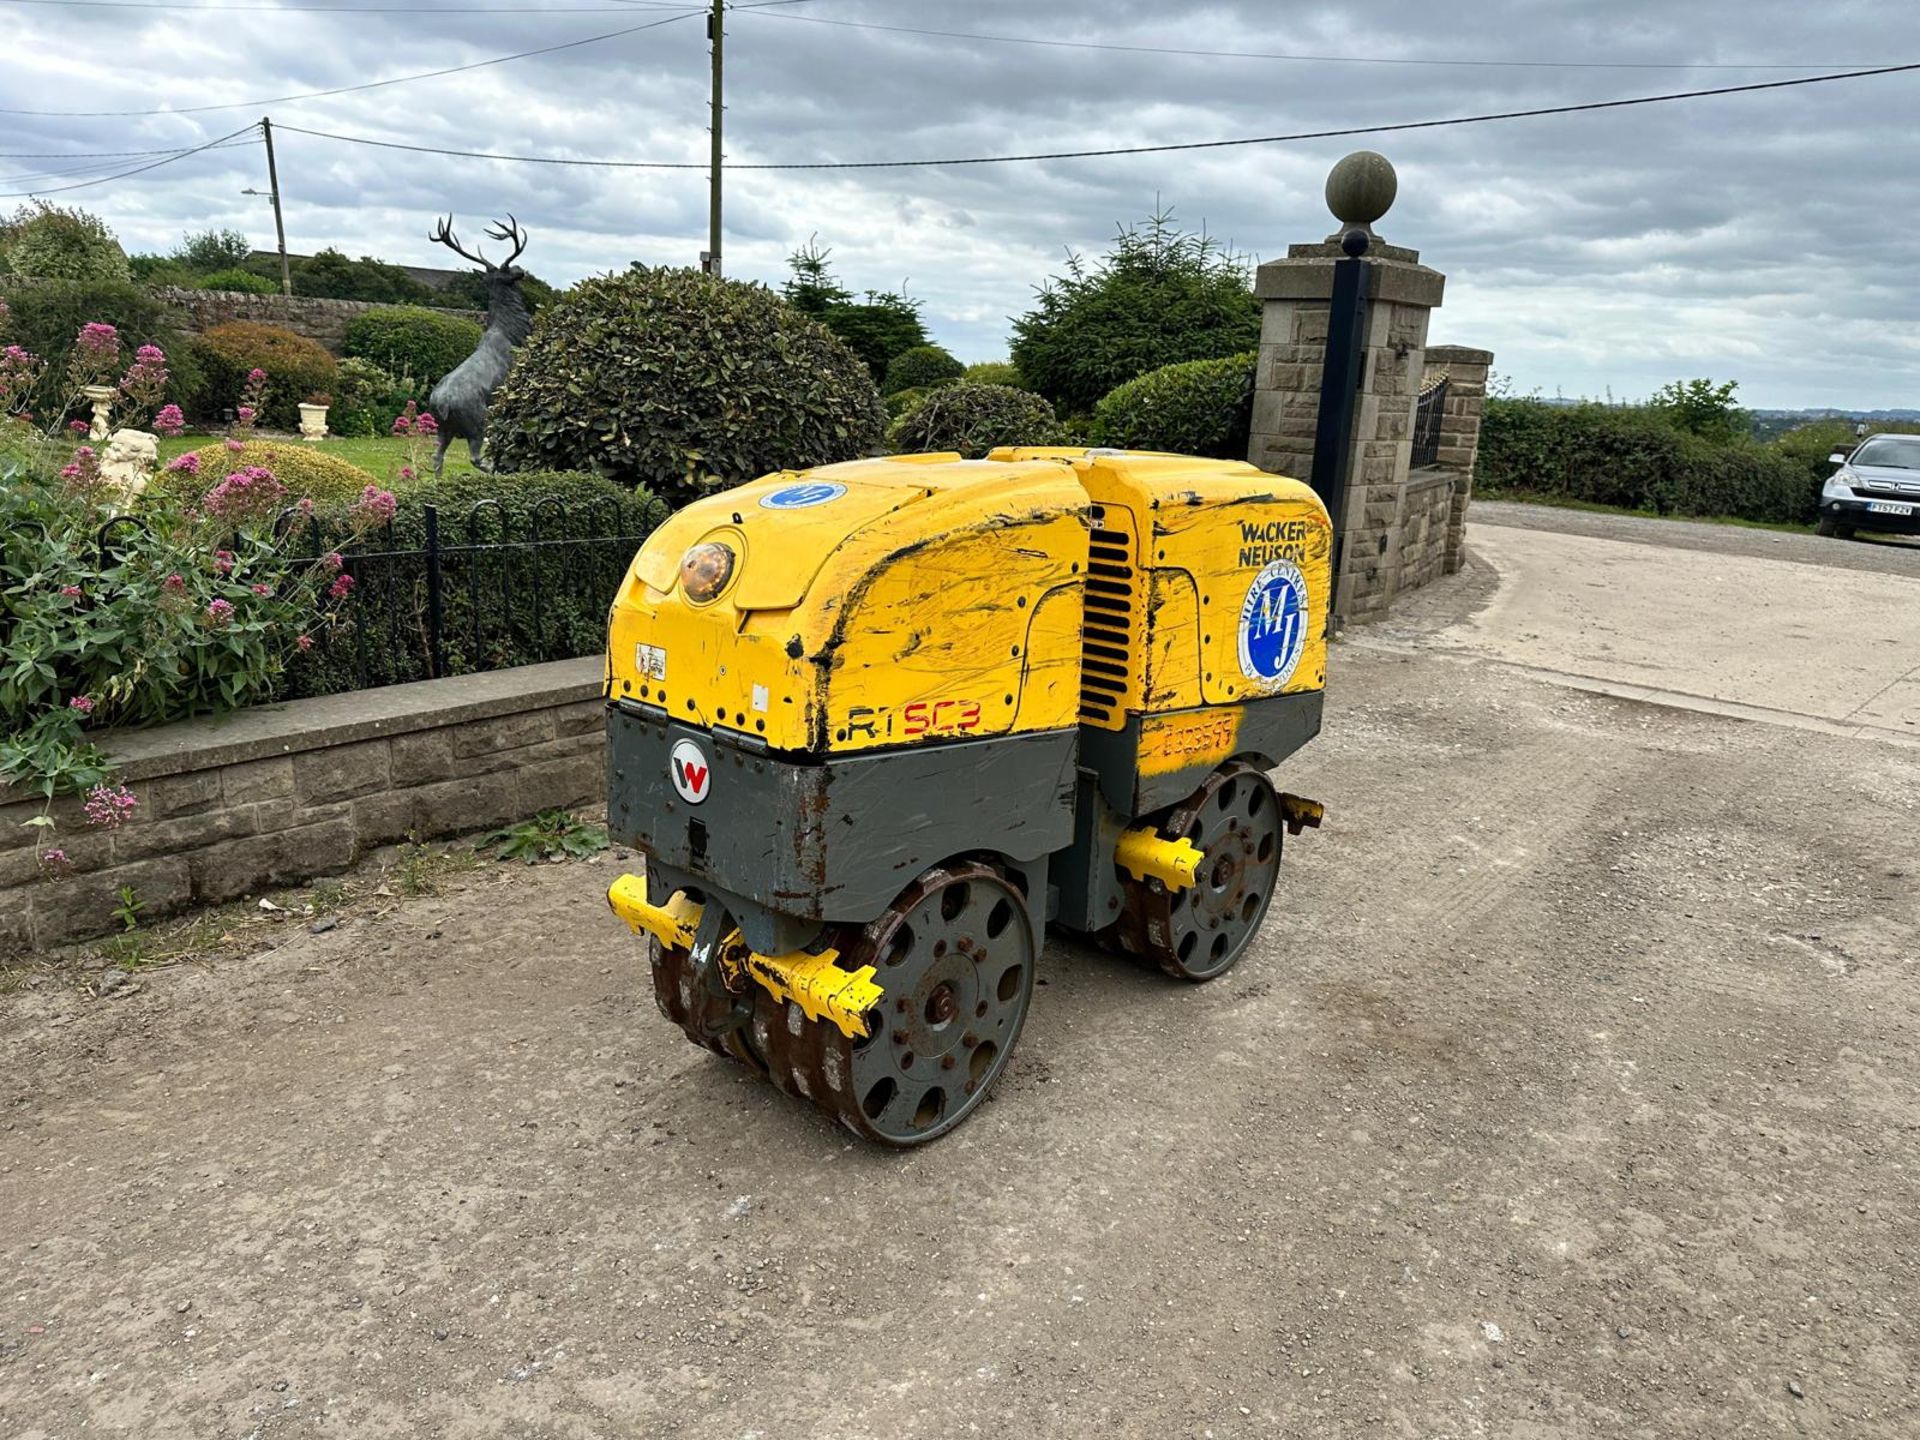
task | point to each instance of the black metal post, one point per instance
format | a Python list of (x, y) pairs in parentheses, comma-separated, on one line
[(1340, 395), (436, 611)]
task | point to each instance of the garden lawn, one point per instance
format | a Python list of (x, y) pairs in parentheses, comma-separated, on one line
[(381, 456)]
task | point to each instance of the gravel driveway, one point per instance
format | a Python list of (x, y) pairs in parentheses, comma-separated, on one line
[(1569, 1092)]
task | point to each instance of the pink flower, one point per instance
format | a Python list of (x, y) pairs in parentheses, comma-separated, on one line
[(305, 507), (305, 642), (375, 506), (174, 584), (263, 590), (82, 703), (331, 562), (220, 611), (223, 562), (72, 592), (341, 587), (246, 414), (78, 427), (256, 376), (150, 355), (98, 340), (55, 862), (406, 472), (187, 464), (426, 424), (402, 424), (236, 446), (110, 806), (251, 493), (169, 420)]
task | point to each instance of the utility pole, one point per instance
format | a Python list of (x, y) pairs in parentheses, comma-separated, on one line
[(279, 222), (716, 38)]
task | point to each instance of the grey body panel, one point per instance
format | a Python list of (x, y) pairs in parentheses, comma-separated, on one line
[(1270, 731), (795, 844)]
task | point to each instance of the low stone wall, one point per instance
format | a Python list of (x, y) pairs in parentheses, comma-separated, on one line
[(322, 320), (1466, 370), (1426, 509), (280, 794)]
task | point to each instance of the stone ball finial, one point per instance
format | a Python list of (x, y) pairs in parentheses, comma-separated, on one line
[(1360, 189)]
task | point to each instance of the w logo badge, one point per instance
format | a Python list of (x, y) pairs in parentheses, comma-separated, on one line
[(1273, 624), (692, 774)]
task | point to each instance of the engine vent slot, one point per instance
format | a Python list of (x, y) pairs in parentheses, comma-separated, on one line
[(1109, 654)]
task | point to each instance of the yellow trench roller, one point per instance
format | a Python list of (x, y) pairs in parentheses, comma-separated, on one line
[(876, 726)]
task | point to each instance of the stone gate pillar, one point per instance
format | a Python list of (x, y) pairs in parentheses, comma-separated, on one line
[(1401, 294)]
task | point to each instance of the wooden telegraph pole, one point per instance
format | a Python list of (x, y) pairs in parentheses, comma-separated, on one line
[(279, 221)]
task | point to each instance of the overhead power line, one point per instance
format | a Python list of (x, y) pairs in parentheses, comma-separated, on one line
[(1288, 55), (422, 10), (367, 85), (245, 130), (1298, 135)]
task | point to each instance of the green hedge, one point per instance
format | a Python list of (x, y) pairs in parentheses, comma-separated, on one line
[(411, 341), (1198, 407), (973, 419), (503, 607), (921, 368), (1627, 457), (46, 315), (296, 368)]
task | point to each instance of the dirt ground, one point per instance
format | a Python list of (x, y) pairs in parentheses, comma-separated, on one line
[(1569, 1091)]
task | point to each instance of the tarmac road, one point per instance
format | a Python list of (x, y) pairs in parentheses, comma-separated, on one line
[(1568, 1093)]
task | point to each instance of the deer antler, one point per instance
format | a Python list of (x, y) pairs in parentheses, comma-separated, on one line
[(509, 231), (443, 233)]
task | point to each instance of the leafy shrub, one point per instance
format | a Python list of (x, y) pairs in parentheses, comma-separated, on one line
[(996, 372), (306, 471), (1635, 459), (901, 401), (1701, 408), (661, 377), (1160, 296), (184, 612), (205, 251), (1198, 407), (45, 316), (410, 340), (53, 243), (296, 367), (365, 399), (972, 419), (501, 606), (921, 368), (242, 282)]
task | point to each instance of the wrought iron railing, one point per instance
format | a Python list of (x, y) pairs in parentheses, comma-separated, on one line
[(1428, 412)]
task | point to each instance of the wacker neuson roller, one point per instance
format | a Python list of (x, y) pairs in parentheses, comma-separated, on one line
[(875, 725)]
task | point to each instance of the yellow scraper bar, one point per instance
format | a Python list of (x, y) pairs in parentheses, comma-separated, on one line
[(672, 924), (819, 987), (1174, 863)]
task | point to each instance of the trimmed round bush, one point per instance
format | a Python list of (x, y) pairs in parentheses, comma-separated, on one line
[(49, 242), (296, 368), (1198, 407), (237, 281), (901, 401), (676, 380), (973, 419), (996, 372), (921, 368), (307, 471), (412, 341), (365, 399)]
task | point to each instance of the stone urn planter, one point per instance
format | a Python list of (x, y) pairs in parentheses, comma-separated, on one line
[(313, 420), (101, 397)]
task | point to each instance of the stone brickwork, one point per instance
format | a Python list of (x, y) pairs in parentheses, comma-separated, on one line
[(280, 794), (322, 320), (201, 310), (1401, 294), (1466, 372)]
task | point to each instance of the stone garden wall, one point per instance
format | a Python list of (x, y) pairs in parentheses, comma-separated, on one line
[(279, 794), (322, 320)]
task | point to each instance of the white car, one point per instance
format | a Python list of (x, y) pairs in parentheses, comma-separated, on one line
[(1877, 487)]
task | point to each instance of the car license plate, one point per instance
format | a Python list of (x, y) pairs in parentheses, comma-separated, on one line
[(1889, 507)]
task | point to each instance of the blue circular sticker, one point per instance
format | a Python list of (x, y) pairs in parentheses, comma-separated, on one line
[(800, 497), (1273, 624)]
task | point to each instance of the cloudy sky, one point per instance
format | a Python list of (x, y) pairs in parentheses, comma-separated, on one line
[(1768, 238)]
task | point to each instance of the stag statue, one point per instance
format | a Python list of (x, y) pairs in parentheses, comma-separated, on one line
[(459, 401)]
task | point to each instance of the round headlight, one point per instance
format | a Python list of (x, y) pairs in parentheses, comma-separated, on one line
[(705, 571)]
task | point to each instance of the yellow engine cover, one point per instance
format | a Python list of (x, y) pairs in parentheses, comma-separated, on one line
[(1208, 585), (873, 603)]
